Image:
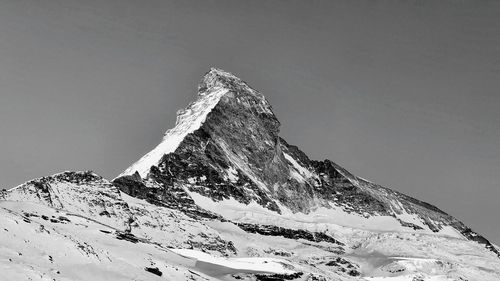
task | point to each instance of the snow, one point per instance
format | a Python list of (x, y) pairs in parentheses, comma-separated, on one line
[(51, 176), (318, 220), (79, 250), (414, 268), (389, 256), (92, 199), (232, 174), (83, 249), (223, 266), (188, 121), (410, 277), (164, 225), (305, 173), (87, 249), (450, 231)]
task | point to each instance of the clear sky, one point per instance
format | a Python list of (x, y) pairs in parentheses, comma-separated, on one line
[(403, 93)]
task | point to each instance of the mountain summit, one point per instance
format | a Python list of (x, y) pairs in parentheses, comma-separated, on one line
[(224, 197), (217, 87)]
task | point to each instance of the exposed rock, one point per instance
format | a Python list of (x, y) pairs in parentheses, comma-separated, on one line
[(278, 277), (271, 230), (126, 236), (154, 270)]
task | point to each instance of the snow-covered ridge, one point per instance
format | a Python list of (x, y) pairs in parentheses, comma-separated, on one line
[(188, 121), (58, 176), (82, 193)]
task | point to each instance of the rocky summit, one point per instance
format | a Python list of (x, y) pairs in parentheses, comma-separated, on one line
[(224, 197)]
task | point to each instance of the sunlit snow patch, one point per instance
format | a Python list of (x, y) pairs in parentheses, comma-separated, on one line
[(409, 277), (217, 266)]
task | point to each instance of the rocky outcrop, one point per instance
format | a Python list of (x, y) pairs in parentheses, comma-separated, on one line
[(271, 230), (160, 190)]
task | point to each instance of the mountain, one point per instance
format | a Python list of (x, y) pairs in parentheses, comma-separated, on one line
[(224, 197)]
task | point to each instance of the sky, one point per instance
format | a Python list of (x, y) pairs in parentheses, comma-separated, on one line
[(403, 93)]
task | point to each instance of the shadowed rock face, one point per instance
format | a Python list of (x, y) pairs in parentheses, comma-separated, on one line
[(236, 153), (161, 191), (271, 230)]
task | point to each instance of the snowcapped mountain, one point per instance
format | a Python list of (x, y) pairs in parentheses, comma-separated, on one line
[(224, 197)]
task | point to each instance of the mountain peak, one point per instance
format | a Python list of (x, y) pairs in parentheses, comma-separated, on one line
[(218, 72), (217, 77), (215, 86)]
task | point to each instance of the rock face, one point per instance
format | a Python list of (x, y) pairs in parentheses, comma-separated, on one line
[(224, 197)]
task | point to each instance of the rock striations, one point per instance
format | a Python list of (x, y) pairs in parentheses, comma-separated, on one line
[(224, 190)]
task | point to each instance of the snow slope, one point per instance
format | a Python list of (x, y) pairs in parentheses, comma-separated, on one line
[(38, 242), (320, 219), (41, 242), (235, 265), (32, 248)]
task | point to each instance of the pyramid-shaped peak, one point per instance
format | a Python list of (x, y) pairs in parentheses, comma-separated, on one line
[(217, 88)]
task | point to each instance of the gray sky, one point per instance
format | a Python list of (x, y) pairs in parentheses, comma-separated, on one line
[(404, 93)]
